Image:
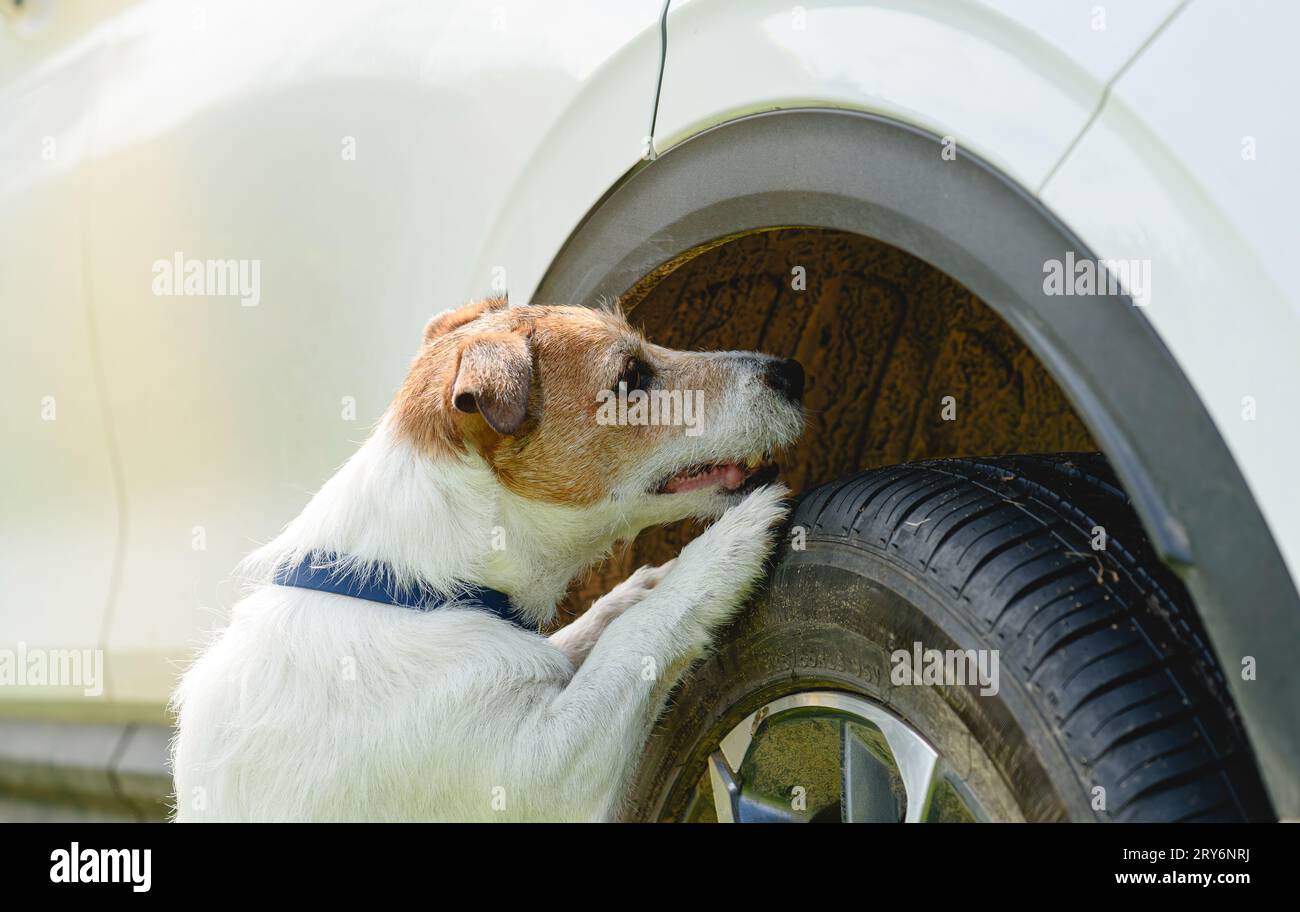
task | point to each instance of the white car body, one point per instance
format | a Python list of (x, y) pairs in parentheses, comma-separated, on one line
[(382, 161)]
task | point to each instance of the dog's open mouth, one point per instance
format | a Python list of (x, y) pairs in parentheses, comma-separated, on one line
[(738, 477)]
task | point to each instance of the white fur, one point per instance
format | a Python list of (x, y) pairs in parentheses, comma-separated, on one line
[(313, 706)]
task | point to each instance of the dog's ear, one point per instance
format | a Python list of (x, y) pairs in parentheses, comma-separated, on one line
[(493, 379), (445, 322)]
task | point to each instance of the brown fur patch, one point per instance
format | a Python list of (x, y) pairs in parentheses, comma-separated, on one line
[(494, 378), (557, 451), (422, 407)]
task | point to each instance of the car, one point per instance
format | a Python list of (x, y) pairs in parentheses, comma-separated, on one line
[(1034, 258)]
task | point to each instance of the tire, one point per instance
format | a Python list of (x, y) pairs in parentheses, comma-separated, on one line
[(1110, 705)]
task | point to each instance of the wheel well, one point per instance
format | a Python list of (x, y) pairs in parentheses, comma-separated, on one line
[(867, 176), (903, 362)]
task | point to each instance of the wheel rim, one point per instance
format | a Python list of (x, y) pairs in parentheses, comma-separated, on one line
[(887, 771)]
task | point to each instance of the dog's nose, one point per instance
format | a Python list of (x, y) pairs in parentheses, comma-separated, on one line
[(785, 375)]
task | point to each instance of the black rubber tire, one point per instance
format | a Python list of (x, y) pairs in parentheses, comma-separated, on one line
[(1107, 681)]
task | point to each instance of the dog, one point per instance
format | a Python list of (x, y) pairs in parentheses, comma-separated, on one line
[(487, 486)]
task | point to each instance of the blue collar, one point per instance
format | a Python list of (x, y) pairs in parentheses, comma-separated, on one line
[(320, 572)]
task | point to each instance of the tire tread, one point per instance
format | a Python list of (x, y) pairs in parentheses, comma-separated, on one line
[(1107, 641)]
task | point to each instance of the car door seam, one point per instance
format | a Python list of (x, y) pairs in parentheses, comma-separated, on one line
[(1105, 95)]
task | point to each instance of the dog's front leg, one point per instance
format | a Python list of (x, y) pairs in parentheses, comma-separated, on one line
[(577, 639), (587, 741)]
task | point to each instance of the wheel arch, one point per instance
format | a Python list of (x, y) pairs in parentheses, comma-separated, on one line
[(869, 175)]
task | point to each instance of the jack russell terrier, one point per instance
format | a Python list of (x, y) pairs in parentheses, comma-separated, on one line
[(386, 664)]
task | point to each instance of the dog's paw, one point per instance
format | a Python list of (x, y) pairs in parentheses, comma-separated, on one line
[(632, 590), (727, 559), (745, 532)]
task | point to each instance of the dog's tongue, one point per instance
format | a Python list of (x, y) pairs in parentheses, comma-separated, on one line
[(730, 475)]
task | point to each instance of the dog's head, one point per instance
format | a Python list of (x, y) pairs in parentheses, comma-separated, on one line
[(573, 406)]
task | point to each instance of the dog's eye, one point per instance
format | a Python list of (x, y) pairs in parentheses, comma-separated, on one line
[(636, 374)]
